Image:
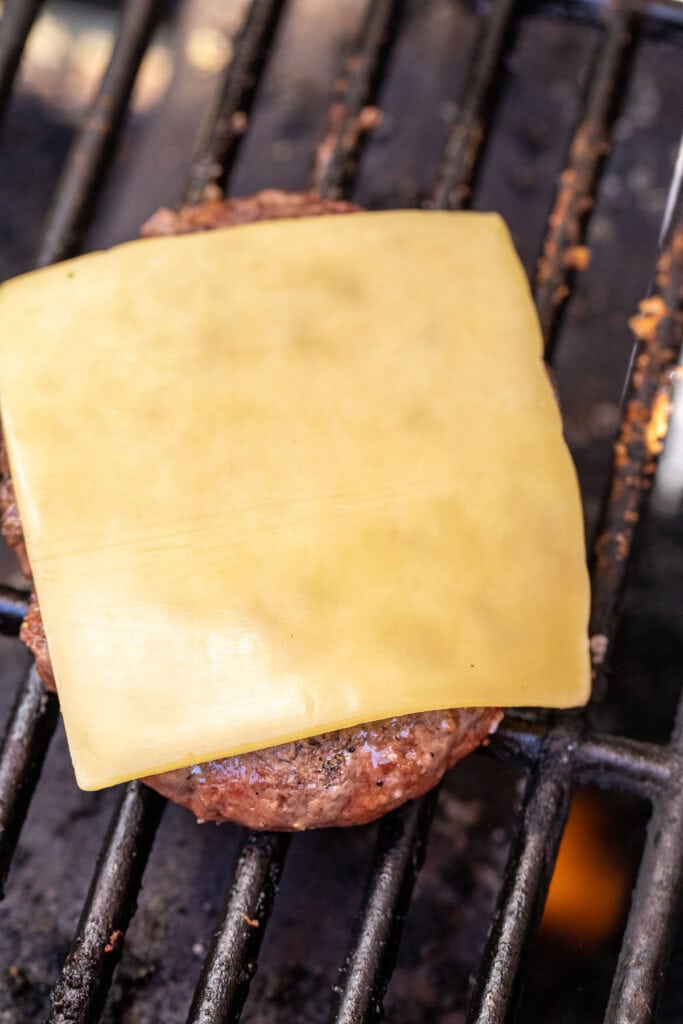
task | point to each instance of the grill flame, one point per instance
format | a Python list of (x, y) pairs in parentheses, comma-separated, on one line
[(591, 881)]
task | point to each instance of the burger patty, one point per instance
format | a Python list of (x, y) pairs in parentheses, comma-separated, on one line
[(347, 777)]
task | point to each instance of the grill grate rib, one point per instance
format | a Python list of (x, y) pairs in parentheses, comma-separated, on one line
[(398, 857), (82, 986), (562, 247), (29, 731), (13, 608), (468, 130), (351, 115), (88, 159), (657, 329), (15, 26), (655, 907), (557, 754), (231, 960), (227, 117), (527, 877)]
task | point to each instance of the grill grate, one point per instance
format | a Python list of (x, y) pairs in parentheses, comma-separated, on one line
[(559, 751)]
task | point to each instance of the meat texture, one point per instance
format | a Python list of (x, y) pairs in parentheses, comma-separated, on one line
[(33, 634), (348, 777), (9, 512), (271, 204)]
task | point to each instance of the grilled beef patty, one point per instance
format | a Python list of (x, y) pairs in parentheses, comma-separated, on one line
[(347, 777)]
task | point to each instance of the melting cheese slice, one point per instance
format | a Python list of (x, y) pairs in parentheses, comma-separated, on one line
[(290, 477)]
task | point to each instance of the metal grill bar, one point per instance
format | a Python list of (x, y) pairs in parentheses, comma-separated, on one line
[(662, 18), (607, 761), (464, 146), (398, 857), (527, 877), (25, 744), (79, 994), (351, 114), (15, 25), (88, 158), (658, 332), (231, 961), (563, 250), (226, 118), (656, 903), (13, 608)]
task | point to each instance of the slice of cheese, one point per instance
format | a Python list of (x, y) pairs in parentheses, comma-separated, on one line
[(290, 477)]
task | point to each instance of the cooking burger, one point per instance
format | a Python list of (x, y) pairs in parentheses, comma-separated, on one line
[(296, 503)]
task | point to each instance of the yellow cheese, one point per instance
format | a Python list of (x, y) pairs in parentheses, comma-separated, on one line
[(290, 477)]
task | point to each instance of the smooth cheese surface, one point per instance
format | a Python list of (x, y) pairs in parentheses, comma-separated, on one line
[(289, 477)]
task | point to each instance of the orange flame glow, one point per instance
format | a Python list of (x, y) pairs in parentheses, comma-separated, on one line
[(590, 882)]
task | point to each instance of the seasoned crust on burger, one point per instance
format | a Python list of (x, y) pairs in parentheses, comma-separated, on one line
[(32, 633), (271, 204), (347, 777), (9, 513)]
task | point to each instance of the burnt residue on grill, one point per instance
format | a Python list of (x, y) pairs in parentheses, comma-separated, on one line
[(353, 113), (563, 248), (658, 332)]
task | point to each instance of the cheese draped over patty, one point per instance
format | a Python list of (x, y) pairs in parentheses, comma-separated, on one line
[(289, 477)]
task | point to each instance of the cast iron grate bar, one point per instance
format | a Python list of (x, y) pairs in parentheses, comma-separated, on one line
[(657, 329), (525, 884), (34, 718), (89, 157), (398, 857), (231, 960), (13, 608), (26, 739), (463, 148), (227, 118), (662, 19), (655, 904), (612, 762), (352, 114), (15, 25), (563, 250), (79, 994)]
